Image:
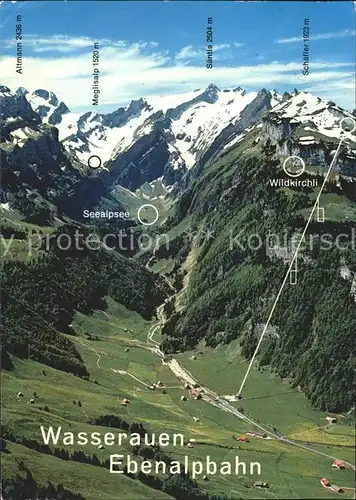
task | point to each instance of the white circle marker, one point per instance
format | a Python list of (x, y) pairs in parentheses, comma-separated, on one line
[(145, 206), (94, 162), (349, 120), (294, 174)]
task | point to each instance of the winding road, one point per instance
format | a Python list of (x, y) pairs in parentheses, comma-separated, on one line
[(184, 376)]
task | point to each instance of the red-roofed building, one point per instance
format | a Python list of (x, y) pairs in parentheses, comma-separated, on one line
[(338, 464), (195, 393), (325, 482), (243, 438)]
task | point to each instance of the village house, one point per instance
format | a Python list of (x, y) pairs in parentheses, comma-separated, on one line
[(195, 394), (338, 464), (325, 482), (242, 438), (260, 484)]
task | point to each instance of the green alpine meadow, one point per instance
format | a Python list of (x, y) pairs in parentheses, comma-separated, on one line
[(178, 253)]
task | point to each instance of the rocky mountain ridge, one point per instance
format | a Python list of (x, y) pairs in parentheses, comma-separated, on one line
[(164, 139)]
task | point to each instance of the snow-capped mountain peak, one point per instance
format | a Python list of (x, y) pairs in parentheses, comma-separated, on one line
[(21, 91), (15, 107), (211, 93), (50, 97), (190, 120), (302, 107), (46, 104), (164, 136), (122, 115)]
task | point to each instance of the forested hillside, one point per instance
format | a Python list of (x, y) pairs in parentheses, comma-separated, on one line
[(39, 299), (236, 279)]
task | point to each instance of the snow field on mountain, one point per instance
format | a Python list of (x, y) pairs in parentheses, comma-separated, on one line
[(189, 121), (37, 102), (304, 107), (202, 122)]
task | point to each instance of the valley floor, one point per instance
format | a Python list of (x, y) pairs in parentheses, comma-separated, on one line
[(123, 363)]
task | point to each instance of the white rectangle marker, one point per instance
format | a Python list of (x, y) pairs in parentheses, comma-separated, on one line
[(321, 214), (293, 277)]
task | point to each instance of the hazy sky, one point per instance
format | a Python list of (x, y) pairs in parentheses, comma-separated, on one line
[(149, 48)]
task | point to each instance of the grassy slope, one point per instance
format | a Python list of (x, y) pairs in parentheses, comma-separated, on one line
[(23, 250), (270, 400), (291, 472), (163, 266), (337, 208), (91, 482), (145, 196)]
